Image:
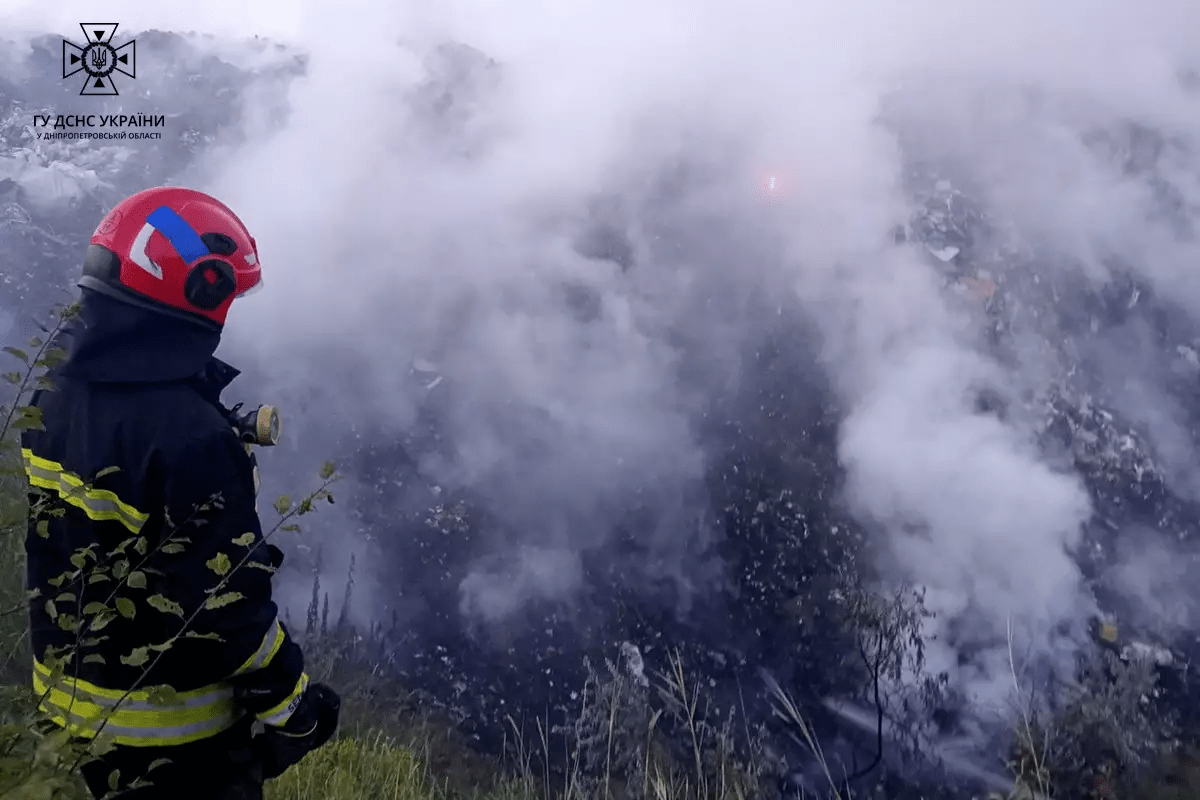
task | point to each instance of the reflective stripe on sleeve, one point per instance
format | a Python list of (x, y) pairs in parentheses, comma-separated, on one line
[(281, 713), (138, 721), (271, 642), (99, 504)]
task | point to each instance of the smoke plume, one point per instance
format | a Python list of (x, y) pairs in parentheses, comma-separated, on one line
[(425, 206)]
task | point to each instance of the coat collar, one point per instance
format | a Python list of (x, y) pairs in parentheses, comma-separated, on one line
[(110, 341)]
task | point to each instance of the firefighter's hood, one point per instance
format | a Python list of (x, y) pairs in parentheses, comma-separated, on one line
[(115, 342)]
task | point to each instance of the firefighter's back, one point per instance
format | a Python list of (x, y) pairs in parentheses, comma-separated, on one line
[(100, 548)]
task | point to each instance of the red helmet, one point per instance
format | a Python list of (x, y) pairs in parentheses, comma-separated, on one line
[(174, 250)]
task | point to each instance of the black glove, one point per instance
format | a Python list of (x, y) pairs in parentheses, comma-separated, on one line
[(310, 726)]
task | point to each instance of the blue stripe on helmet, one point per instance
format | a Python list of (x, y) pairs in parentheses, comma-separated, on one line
[(179, 233)]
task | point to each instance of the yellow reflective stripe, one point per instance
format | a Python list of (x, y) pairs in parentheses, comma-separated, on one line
[(271, 642), (281, 713), (99, 504), (138, 721)]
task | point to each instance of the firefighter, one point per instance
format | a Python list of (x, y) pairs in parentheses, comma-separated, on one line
[(156, 574)]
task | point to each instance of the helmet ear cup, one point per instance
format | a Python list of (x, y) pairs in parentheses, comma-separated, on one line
[(210, 283)]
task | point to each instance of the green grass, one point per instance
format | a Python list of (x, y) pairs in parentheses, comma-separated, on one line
[(368, 769)]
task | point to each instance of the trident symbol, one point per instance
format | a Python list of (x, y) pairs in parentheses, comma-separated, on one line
[(98, 58)]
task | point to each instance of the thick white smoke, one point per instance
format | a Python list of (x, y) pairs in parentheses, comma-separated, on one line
[(385, 241)]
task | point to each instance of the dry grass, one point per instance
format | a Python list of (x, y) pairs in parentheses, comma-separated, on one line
[(787, 710), (1030, 766), (616, 747)]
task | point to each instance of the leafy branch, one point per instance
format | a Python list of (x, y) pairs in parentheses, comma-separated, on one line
[(46, 356), (227, 570)]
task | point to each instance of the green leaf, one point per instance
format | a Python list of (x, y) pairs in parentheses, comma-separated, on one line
[(50, 746), (222, 600), (245, 540), (18, 353), (52, 358), (105, 471), (54, 661), (94, 658), (119, 550), (102, 745), (35, 342), (79, 560), (141, 546), (65, 597), (57, 580), (284, 504), (126, 608), (51, 610), (13, 377), (259, 565), (157, 601), (210, 636), (137, 658), (67, 622), (43, 529), (101, 620), (327, 470), (136, 580), (290, 528), (158, 762), (30, 419), (163, 695), (172, 549), (165, 646), (219, 564), (121, 569), (91, 609), (114, 779), (33, 594), (306, 506), (98, 576), (92, 641)]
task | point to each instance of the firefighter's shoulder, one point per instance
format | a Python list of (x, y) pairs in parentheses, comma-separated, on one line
[(184, 423)]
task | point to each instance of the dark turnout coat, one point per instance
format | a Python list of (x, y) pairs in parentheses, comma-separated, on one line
[(144, 544)]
